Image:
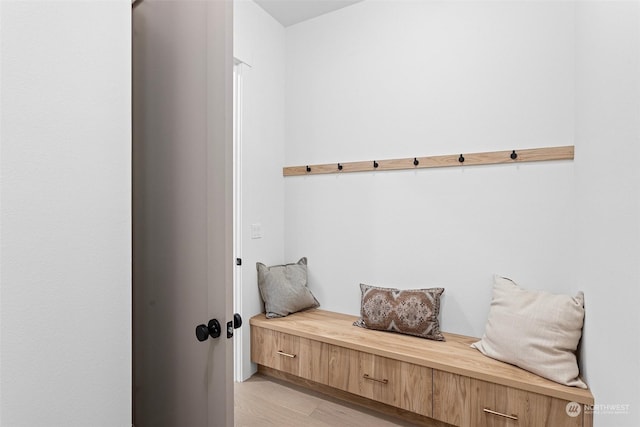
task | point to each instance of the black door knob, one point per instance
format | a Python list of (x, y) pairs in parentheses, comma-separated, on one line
[(237, 321), (202, 332), (211, 330)]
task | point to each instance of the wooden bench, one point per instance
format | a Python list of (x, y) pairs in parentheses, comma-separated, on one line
[(431, 383)]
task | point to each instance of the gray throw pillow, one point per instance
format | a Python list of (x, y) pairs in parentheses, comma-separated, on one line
[(283, 288), (412, 311)]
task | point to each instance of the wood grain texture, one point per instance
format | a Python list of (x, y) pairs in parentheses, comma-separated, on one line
[(385, 380), (268, 348), (470, 159), (451, 398), (454, 355), (416, 389), (313, 360), (344, 370), (289, 353), (380, 378), (587, 417), (489, 400), (404, 417)]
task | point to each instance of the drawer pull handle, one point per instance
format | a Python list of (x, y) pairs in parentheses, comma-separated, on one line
[(500, 414), (383, 381), (282, 353)]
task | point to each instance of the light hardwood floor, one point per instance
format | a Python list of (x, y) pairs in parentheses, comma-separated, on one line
[(262, 401)]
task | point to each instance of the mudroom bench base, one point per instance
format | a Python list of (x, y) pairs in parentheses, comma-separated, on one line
[(431, 383)]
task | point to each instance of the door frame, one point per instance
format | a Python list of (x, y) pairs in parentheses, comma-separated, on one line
[(238, 346)]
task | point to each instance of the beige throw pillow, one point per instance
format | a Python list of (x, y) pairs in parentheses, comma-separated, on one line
[(283, 288), (535, 330)]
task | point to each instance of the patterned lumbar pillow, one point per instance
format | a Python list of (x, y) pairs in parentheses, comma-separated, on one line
[(411, 312), (283, 288), (537, 331)]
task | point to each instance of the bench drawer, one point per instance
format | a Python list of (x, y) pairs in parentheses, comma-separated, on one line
[(289, 353), (396, 383), (494, 405), (451, 398)]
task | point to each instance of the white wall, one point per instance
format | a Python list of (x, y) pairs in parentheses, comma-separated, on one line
[(383, 79), (65, 213), (259, 41), (608, 202), (398, 79)]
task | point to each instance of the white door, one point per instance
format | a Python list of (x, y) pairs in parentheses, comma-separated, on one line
[(183, 259)]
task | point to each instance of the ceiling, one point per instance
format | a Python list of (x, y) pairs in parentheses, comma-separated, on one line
[(290, 12)]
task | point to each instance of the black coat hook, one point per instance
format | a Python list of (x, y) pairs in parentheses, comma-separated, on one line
[(375, 164), (514, 155), (415, 161), (308, 169), (339, 167), (461, 158)]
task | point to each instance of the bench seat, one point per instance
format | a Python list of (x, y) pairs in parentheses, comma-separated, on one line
[(324, 348)]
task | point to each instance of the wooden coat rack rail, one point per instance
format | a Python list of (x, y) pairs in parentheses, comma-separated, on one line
[(463, 159)]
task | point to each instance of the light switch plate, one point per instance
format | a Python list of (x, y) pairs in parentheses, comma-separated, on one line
[(256, 231)]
